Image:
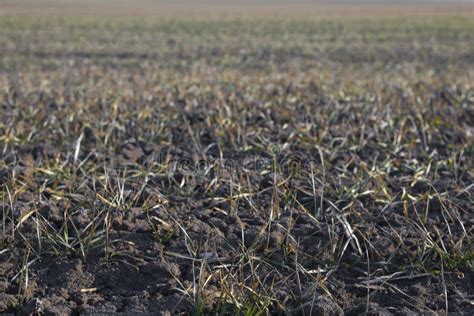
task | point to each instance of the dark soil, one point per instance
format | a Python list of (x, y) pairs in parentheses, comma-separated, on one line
[(252, 167), (143, 276)]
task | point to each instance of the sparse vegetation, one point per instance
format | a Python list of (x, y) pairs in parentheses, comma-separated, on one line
[(237, 165)]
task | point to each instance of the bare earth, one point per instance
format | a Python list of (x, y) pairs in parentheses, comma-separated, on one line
[(223, 159)]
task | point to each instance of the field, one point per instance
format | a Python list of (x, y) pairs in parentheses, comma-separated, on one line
[(254, 164)]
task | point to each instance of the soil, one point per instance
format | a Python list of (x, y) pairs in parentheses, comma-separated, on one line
[(145, 275), (173, 172)]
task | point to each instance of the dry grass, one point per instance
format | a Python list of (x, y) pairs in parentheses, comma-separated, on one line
[(236, 165)]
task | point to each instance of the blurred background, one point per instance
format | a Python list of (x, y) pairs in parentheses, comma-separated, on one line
[(234, 7)]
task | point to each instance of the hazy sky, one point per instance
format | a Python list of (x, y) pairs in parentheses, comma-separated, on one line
[(237, 2)]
